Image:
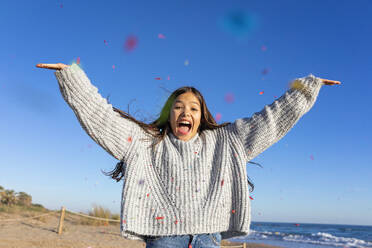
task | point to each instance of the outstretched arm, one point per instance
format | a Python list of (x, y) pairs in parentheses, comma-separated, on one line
[(267, 127), (106, 127)]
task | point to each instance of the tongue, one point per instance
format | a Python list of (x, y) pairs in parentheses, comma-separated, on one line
[(183, 129)]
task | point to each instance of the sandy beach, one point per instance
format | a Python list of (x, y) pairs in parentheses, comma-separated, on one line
[(42, 233)]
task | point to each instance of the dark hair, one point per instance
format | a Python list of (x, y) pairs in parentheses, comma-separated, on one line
[(161, 126)]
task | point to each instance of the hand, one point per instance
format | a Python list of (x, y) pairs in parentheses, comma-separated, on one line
[(58, 66), (329, 82)]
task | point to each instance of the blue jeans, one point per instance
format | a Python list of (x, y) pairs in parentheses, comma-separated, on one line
[(205, 240)]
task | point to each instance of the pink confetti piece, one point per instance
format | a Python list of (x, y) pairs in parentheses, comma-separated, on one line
[(161, 36), (113, 67), (78, 60), (157, 78), (261, 92), (131, 43), (250, 198), (275, 96), (222, 182), (218, 117), (233, 211), (265, 71), (263, 48), (105, 41), (160, 218), (148, 195), (229, 98), (129, 139), (168, 78), (176, 222)]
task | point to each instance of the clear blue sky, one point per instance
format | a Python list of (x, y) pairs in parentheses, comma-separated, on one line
[(45, 152)]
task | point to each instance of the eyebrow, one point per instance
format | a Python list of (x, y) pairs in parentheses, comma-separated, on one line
[(178, 101)]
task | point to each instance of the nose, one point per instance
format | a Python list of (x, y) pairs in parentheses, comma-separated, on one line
[(186, 113)]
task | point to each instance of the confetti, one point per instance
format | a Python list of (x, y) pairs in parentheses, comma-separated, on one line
[(105, 41), (238, 23), (124, 221), (130, 139), (312, 157), (263, 48), (261, 92), (229, 98), (161, 36), (251, 198), (160, 218), (148, 195), (131, 43), (275, 96), (298, 85), (168, 78), (233, 211), (78, 60), (186, 62), (218, 117), (113, 66), (176, 222), (222, 182), (265, 71), (158, 78)]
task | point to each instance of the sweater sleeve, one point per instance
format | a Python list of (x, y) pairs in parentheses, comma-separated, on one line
[(106, 127), (268, 126)]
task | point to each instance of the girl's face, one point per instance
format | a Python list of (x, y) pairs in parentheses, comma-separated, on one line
[(186, 108)]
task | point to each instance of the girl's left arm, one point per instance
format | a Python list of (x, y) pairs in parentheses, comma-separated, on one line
[(268, 126)]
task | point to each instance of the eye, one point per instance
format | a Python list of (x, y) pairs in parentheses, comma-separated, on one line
[(195, 109), (177, 107)]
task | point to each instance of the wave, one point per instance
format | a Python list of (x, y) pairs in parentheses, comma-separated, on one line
[(320, 238)]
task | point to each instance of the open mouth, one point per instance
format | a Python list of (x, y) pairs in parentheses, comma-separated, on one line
[(183, 128)]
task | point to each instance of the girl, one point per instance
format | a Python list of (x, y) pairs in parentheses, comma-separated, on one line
[(185, 176)]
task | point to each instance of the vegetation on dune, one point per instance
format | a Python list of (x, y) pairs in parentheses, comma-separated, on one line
[(21, 203), (100, 212), (17, 202)]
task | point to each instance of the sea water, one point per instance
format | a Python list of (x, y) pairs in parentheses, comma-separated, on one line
[(300, 235)]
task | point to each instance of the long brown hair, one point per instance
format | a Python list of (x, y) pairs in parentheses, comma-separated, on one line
[(161, 126)]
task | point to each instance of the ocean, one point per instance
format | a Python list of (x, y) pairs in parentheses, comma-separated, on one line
[(299, 235)]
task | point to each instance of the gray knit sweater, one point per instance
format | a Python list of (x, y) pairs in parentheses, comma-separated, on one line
[(184, 187)]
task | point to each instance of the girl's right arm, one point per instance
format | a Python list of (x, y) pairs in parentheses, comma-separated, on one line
[(117, 135)]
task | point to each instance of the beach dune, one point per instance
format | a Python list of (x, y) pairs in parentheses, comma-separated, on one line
[(42, 233)]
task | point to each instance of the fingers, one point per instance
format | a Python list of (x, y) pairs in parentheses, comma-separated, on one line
[(330, 82), (58, 66)]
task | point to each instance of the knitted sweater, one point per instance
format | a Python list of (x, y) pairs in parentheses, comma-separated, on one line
[(184, 187)]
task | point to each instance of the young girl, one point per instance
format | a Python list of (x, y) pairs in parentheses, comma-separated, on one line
[(185, 176)]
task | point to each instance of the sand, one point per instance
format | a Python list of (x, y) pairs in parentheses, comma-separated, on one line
[(42, 233)]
